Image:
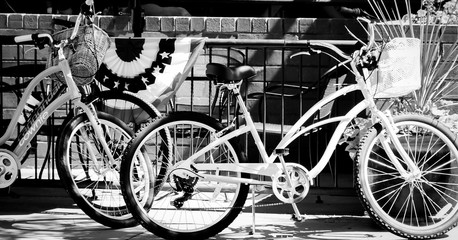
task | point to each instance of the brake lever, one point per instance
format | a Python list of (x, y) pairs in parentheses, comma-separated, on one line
[(309, 52)]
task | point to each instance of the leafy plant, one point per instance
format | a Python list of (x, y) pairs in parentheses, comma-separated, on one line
[(438, 59), (430, 24), (353, 134)]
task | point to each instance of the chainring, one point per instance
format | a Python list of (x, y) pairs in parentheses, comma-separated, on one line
[(299, 187), (9, 168)]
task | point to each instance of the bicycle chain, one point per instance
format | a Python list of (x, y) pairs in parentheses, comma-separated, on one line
[(244, 207), (267, 204)]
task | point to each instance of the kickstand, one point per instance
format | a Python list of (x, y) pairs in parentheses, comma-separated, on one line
[(253, 233), (253, 211), (297, 216)]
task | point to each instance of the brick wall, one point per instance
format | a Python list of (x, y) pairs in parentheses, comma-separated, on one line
[(218, 27), (211, 27)]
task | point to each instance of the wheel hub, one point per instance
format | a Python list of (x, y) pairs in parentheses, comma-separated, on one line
[(413, 177)]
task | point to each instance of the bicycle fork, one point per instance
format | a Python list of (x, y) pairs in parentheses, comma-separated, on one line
[(388, 124), (91, 113)]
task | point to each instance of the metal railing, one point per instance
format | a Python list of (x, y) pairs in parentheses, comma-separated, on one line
[(269, 95), (282, 91)]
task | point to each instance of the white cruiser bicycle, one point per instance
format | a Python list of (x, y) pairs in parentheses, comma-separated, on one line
[(197, 178), (91, 141)]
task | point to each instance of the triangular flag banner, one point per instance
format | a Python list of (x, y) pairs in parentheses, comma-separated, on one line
[(153, 68)]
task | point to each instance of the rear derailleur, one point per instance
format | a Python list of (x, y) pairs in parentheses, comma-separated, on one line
[(185, 185)]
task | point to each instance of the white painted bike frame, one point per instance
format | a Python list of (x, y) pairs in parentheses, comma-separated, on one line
[(271, 169), (72, 94)]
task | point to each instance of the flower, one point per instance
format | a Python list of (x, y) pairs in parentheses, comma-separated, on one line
[(437, 11), (422, 13)]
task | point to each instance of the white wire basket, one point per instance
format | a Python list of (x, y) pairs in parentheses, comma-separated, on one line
[(398, 72)]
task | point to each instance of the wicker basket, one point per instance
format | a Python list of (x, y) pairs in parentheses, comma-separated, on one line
[(84, 53)]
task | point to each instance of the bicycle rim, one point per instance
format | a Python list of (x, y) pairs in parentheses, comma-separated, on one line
[(417, 206), (210, 206), (95, 180)]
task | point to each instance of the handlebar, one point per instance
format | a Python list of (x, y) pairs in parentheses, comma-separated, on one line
[(86, 8), (371, 31), (368, 60), (356, 12), (330, 46), (39, 39), (351, 11)]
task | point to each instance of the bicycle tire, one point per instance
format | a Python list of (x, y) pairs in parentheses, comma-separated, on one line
[(415, 207), (94, 188), (134, 112), (211, 206)]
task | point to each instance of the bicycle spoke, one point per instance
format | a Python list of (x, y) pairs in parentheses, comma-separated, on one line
[(417, 203)]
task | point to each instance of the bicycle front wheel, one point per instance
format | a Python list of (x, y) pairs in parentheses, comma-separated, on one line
[(135, 113), (91, 181), (414, 206), (183, 208)]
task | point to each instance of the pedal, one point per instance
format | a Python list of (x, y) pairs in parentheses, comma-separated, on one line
[(297, 218), (261, 188)]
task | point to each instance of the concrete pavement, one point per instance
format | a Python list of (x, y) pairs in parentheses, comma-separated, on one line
[(48, 213)]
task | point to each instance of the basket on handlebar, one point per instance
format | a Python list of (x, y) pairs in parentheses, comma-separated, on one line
[(84, 53), (398, 71)]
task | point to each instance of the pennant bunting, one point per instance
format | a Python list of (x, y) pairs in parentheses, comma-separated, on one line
[(153, 68)]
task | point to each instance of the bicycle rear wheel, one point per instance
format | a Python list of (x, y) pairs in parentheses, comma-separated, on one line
[(190, 207), (90, 180), (416, 207)]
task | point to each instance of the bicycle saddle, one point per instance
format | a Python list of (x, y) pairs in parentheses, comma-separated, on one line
[(223, 74)]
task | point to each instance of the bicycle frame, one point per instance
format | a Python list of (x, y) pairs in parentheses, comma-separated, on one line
[(295, 132), (47, 107), (269, 168)]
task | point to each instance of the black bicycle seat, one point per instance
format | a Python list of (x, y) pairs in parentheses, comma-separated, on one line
[(223, 74)]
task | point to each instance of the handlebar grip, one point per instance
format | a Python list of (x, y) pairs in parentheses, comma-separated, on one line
[(351, 11), (23, 38), (358, 13), (36, 38)]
